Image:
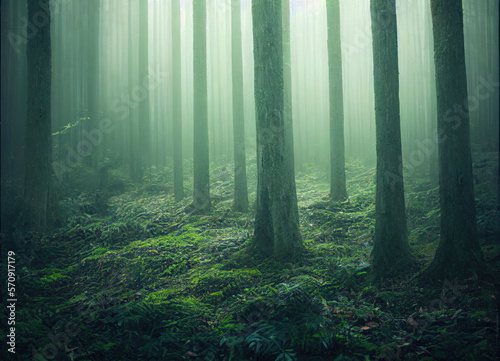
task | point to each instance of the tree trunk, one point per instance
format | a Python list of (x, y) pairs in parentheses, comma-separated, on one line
[(458, 252), (93, 82), (201, 191), (39, 202), (338, 190), (240, 169), (277, 221), (287, 83), (177, 100), (133, 141), (144, 133), (391, 251)]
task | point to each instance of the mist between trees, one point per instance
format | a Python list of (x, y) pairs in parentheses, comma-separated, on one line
[(108, 31)]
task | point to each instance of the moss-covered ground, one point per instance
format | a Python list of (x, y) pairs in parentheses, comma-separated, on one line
[(132, 276)]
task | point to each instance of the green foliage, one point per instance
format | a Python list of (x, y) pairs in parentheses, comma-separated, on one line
[(144, 279)]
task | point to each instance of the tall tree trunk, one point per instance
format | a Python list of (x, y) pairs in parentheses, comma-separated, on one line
[(287, 83), (177, 100), (337, 153), (39, 202), (133, 141), (201, 191), (93, 82), (391, 251), (498, 169), (144, 133), (277, 220), (458, 252), (240, 169)]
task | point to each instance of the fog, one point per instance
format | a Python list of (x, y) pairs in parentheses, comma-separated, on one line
[(98, 55)]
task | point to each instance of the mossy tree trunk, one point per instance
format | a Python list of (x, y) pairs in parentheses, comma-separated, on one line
[(458, 252), (201, 189), (277, 222), (337, 150), (240, 169), (39, 201), (177, 100), (391, 252)]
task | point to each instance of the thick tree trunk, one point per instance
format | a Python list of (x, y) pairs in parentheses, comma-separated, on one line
[(240, 169), (391, 251), (177, 100), (337, 153), (201, 191), (277, 221), (458, 252), (39, 202)]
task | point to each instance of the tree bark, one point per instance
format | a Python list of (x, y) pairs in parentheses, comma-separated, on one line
[(277, 221), (391, 251), (240, 172), (458, 253), (201, 191), (338, 190)]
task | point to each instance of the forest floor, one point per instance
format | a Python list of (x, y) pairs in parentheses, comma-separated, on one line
[(133, 276)]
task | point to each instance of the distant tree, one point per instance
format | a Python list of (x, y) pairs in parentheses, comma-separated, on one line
[(144, 133), (39, 200), (277, 221), (391, 252), (93, 7), (240, 172), (133, 140), (201, 191), (337, 152), (177, 100), (458, 252)]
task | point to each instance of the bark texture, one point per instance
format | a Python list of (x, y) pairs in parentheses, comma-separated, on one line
[(277, 221)]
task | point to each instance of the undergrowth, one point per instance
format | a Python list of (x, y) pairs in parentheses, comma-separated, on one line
[(132, 275)]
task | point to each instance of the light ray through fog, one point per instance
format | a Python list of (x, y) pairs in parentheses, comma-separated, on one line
[(118, 29)]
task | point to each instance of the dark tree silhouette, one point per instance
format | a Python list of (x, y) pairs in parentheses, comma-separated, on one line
[(39, 200), (458, 252)]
